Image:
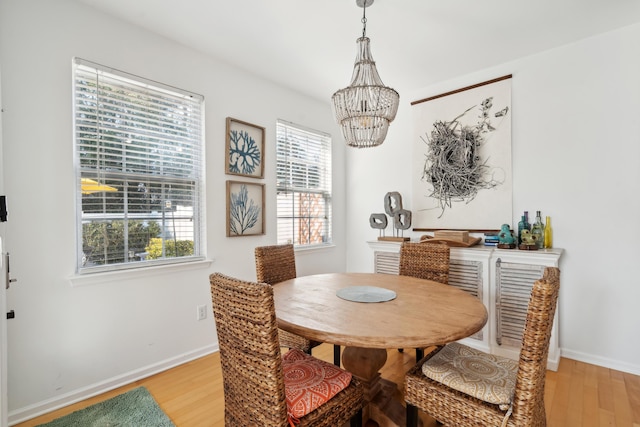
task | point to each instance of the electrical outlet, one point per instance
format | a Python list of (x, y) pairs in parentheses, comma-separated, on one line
[(202, 312)]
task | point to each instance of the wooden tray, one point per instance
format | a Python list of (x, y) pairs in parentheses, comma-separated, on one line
[(394, 239), (452, 243)]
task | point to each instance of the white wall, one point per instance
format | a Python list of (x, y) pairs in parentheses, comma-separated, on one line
[(67, 342), (576, 151), (576, 157)]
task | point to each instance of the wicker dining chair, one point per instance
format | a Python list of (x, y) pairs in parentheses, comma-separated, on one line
[(500, 391), (256, 389), (277, 263), (426, 261)]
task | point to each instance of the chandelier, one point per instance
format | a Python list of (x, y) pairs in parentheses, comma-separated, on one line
[(365, 108)]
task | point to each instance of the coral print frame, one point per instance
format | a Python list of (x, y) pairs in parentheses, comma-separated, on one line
[(245, 208), (244, 149), (461, 167)]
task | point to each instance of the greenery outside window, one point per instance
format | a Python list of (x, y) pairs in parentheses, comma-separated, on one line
[(303, 185), (139, 154)]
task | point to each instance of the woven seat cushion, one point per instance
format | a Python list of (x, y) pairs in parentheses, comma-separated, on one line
[(310, 382), (487, 377)]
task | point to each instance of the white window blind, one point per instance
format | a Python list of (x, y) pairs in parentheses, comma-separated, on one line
[(303, 185), (139, 154)]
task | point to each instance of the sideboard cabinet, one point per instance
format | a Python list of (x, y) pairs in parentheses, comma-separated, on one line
[(501, 279)]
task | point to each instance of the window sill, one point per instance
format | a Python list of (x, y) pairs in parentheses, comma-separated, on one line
[(314, 247), (134, 273)]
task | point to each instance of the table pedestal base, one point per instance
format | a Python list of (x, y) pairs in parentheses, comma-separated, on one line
[(384, 408)]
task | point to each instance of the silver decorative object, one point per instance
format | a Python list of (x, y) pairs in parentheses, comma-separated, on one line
[(365, 108), (392, 203), (401, 217), (378, 221)]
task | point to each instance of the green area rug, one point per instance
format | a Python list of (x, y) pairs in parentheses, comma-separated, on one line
[(135, 408)]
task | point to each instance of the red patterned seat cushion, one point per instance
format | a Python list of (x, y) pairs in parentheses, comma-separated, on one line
[(310, 382)]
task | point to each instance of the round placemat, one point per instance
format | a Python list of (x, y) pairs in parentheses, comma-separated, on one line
[(366, 294)]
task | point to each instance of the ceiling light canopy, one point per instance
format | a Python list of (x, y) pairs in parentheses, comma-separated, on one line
[(365, 108)]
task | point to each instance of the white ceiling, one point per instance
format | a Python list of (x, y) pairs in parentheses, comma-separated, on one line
[(310, 45)]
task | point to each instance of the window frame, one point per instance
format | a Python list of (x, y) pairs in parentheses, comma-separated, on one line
[(181, 174), (298, 174)]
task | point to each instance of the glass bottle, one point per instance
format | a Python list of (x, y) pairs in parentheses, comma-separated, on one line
[(521, 226), (548, 234), (537, 230)]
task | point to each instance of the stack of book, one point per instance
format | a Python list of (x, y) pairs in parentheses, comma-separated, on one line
[(491, 239)]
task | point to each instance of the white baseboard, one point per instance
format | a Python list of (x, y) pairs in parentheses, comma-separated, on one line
[(617, 365), (40, 408)]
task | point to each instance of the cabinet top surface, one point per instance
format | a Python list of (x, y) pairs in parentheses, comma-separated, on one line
[(395, 247)]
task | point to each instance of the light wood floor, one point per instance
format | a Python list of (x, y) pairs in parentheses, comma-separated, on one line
[(577, 395)]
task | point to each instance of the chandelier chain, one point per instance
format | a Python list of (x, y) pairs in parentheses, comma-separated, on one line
[(364, 19)]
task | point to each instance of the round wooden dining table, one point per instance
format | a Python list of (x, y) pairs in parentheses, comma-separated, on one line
[(421, 314)]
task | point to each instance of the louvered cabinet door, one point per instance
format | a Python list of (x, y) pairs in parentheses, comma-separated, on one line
[(468, 276), (513, 273), (387, 262), (513, 288)]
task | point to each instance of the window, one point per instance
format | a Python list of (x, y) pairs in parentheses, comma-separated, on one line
[(303, 185), (139, 154)]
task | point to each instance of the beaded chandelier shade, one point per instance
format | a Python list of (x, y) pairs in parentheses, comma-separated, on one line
[(365, 108)]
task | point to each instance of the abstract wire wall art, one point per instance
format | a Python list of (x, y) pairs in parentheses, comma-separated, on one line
[(244, 149), (245, 208), (462, 158)]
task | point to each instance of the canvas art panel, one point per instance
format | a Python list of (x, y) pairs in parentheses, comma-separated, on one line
[(461, 171)]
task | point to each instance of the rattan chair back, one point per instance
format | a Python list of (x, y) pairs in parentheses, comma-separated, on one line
[(456, 408), (425, 261), (252, 373), (532, 366), (249, 352), (275, 263)]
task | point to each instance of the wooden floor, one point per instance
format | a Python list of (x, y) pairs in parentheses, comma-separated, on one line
[(577, 395)]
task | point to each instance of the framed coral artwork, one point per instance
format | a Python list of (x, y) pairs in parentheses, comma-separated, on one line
[(245, 208), (244, 149)]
